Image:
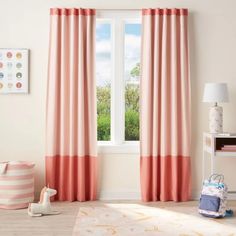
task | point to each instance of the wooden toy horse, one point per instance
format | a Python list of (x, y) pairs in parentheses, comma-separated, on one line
[(43, 207)]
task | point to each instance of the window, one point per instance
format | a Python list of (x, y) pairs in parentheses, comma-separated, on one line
[(132, 74), (103, 79), (118, 43)]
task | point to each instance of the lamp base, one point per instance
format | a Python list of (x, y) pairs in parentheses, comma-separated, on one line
[(216, 119)]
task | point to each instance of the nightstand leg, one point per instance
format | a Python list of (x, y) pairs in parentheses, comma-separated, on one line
[(212, 164), (203, 165)]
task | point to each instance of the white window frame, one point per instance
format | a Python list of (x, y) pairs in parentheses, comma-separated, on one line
[(117, 19)]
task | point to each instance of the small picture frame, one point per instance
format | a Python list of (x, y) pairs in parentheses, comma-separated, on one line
[(14, 71)]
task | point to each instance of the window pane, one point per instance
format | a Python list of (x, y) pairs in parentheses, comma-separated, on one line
[(132, 74), (103, 78)]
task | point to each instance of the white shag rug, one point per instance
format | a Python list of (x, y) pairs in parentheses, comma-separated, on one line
[(142, 220)]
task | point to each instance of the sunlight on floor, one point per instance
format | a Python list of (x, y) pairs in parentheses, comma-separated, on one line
[(137, 219)]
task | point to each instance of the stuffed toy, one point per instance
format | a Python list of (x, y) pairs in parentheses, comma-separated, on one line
[(43, 207)]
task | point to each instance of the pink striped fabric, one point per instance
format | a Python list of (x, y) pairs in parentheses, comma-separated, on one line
[(17, 187), (14, 206), (16, 184), (16, 177)]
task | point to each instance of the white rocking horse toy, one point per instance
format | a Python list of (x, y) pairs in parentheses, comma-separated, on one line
[(43, 207)]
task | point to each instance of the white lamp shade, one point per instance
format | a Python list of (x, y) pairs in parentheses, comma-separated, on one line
[(215, 92)]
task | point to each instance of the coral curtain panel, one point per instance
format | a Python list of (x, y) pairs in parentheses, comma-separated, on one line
[(165, 106), (71, 132)]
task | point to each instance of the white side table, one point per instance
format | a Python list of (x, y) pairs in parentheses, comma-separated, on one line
[(212, 144)]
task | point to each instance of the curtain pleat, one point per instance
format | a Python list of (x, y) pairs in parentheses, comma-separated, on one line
[(71, 132), (165, 106)]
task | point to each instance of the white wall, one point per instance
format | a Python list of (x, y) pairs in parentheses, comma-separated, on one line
[(25, 23)]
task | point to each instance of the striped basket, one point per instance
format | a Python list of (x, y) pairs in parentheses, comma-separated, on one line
[(16, 184)]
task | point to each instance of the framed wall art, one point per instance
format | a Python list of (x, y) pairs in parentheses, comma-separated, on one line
[(14, 70)]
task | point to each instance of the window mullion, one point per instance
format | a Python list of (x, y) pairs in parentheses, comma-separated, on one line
[(113, 85)]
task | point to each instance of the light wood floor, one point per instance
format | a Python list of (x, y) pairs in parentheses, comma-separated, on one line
[(18, 223)]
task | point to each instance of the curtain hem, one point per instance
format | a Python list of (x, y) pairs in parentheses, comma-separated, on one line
[(74, 177), (165, 178)]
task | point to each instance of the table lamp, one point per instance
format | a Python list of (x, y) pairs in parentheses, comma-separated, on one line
[(214, 93)]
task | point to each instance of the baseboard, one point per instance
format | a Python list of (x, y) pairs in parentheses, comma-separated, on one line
[(136, 195), (195, 195), (119, 195), (111, 195), (36, 196), (231, 196)]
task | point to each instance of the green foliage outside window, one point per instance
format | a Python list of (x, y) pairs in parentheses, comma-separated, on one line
[(135, 71), (131, 109), (103, 112), (132, 112)]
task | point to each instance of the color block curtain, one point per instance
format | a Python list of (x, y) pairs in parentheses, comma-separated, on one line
[(165, 106), (71, 105)]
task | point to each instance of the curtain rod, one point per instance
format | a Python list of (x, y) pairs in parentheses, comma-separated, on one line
[(99, 9), (132, 9)]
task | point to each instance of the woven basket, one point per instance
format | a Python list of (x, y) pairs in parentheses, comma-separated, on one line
[(16, 184)]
